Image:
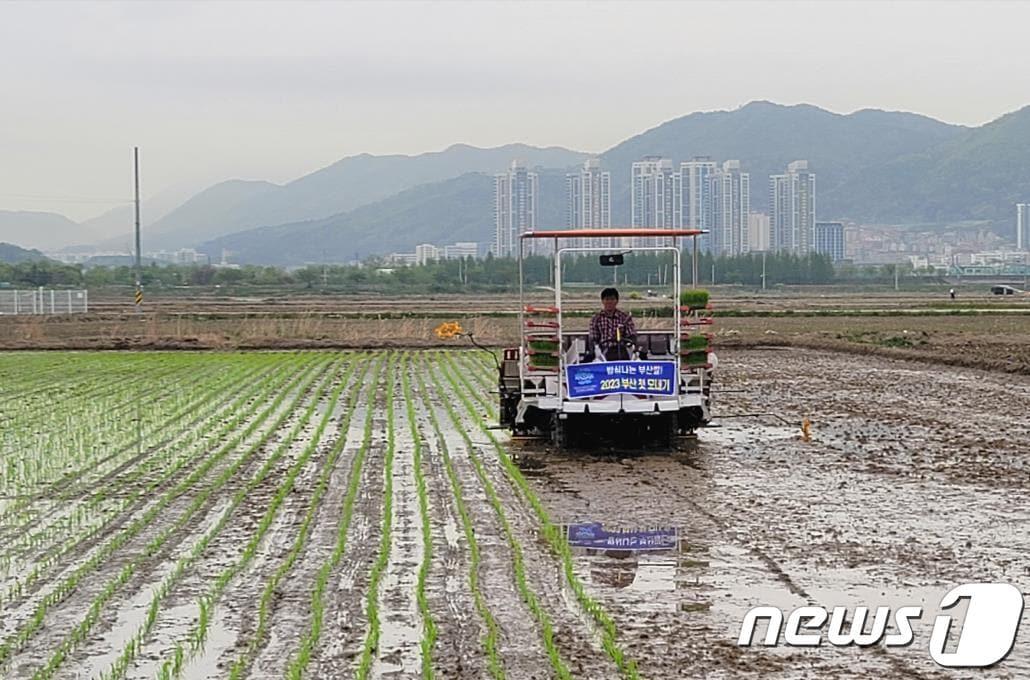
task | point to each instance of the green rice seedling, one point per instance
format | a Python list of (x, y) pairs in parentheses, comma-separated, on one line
[(518, 561), (555, 538), (371, 646), (221, 581), (69, 584), (429, 626), (695, 298), (300, 661), (490, 641)]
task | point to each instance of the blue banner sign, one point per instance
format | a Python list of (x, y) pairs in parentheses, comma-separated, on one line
[(621, 377), (593, 535)]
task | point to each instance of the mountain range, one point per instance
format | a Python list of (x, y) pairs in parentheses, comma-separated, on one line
[(871, 165), (12, 254)]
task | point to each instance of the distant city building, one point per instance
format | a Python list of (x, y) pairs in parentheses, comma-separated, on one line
[(515, 207), (185, 256), (590, 200), (426, 253), (696, 192), (1023, 226), (731, 201), (829, 240), (758, 231), (792, 209), (402, 258), (655, 196), (997, 257), (461, 250)]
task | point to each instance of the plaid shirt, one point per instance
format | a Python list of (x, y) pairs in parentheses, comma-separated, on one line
[(604, 327)]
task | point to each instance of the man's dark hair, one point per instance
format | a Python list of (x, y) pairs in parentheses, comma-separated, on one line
[(609, 293)]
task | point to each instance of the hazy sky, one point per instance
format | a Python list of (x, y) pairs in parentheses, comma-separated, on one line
[(272, 91)]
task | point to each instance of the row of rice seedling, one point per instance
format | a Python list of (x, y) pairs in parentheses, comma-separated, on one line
[(106, 504), (302, 657), (77, 457), (156, 545), (195, 638), (490, 641), (429, 630), (70, 515), (29, 379), (279, 387), (518, 561), (208, 601), (386, 533), (553, 534), (112, 493)]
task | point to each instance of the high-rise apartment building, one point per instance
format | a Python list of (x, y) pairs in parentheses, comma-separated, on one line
[(792, 209), (1023, 226), (515, 208), (731, 200), (696, 192), (590, 200), (828, 239), (655, 196)]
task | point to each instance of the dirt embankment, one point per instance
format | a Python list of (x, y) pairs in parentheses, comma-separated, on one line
[(996, 341)]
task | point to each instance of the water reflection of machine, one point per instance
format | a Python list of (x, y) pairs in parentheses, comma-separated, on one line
[(637, 559)]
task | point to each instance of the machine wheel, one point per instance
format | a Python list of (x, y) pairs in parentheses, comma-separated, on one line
[(561, 434), (672, 430), (689, 419), (558, 434)]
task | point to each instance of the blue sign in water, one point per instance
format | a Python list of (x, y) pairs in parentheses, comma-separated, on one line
[(621, 377), (593, 535)]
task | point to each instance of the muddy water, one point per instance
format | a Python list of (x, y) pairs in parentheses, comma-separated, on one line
[(915, 480)]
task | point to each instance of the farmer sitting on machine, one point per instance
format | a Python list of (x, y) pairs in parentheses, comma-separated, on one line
[(612, 330)]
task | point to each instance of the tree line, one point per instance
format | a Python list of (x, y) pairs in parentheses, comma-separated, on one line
[(487, 274)]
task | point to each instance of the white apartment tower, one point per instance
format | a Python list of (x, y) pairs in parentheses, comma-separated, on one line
[(792, 209), (590, 200), (696, 191), (656, 196), (515, 207), (1023, 226), (731, 200)]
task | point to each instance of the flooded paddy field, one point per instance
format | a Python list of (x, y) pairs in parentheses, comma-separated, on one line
[(354, 514)]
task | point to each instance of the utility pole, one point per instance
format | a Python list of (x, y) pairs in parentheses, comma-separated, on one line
[(895, 277), (139, 259), (763, 270)]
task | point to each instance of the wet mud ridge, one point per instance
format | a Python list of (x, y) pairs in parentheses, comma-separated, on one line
[(355, 514)]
